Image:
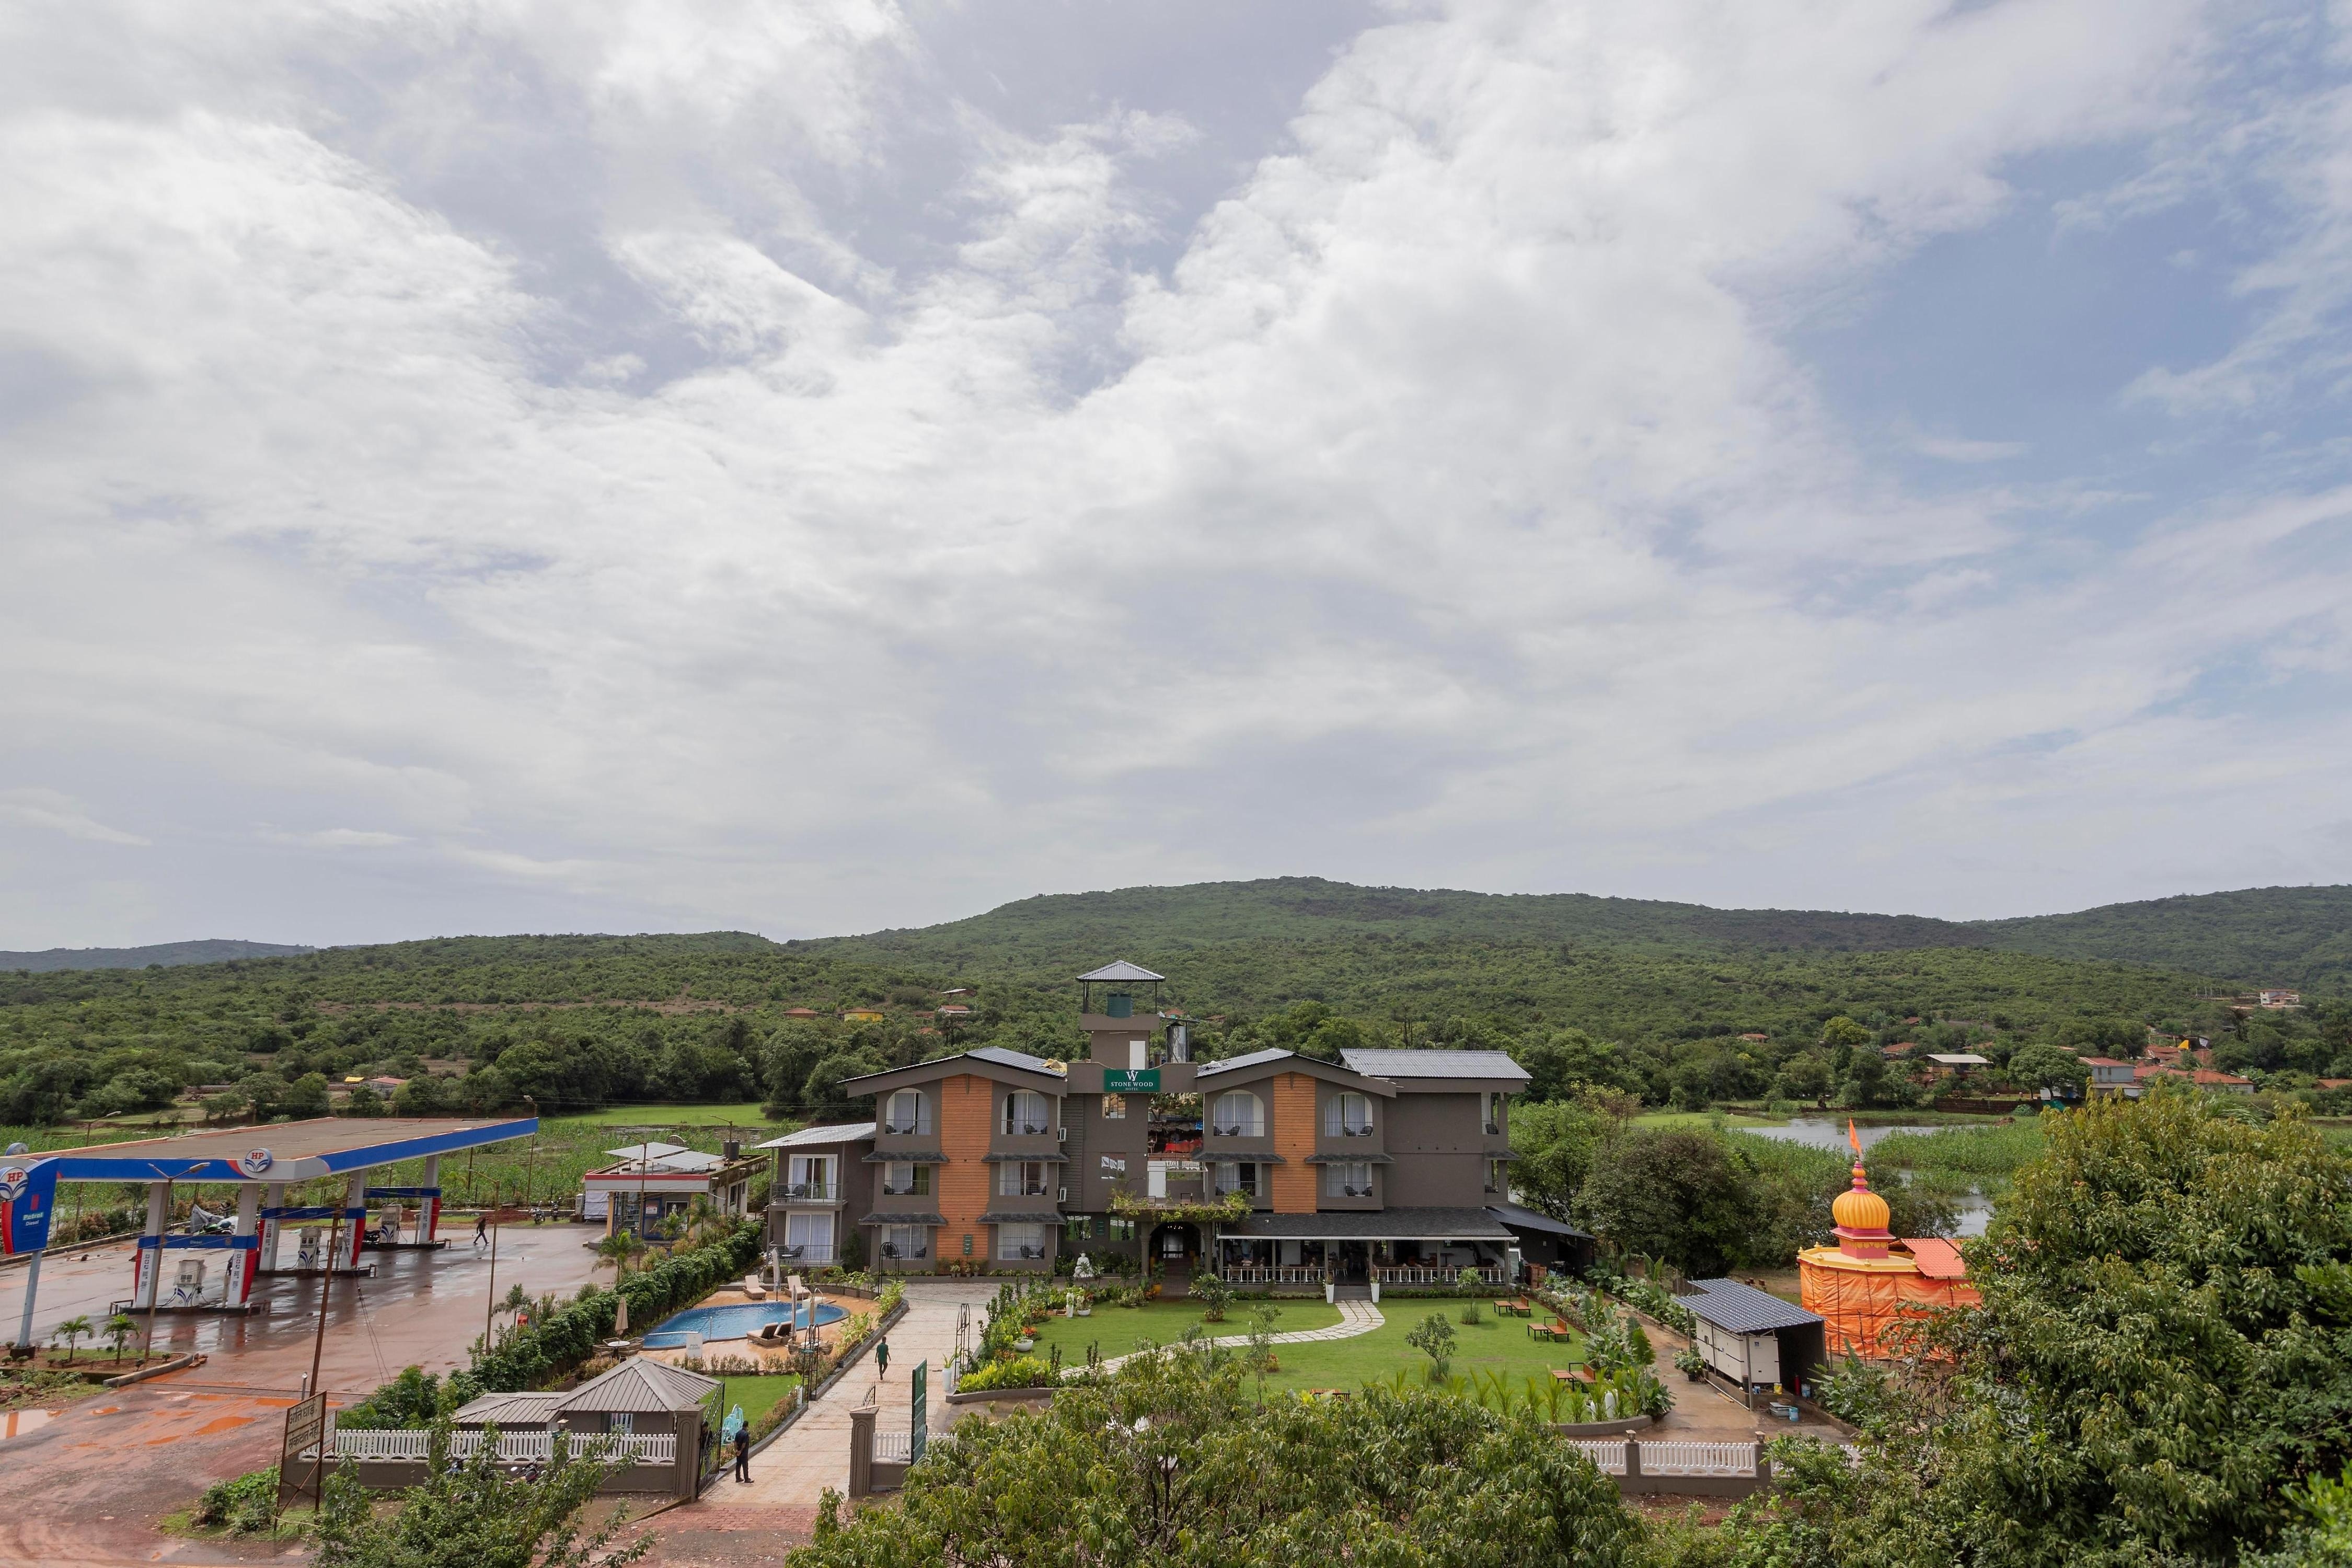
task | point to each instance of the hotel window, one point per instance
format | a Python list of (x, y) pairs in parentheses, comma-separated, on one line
[(1348, 1116), (1490, 1112), (905, 1241), (1237, 1115), (1237, 1177), (908, 1112), (1349, 1181), (1022, 1179), (812, 1178), (1113, 1108), (1026, 1115), (905, 1179), (1015, 1242)]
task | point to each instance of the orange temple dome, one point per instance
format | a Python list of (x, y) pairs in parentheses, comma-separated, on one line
[(1859, 1208)]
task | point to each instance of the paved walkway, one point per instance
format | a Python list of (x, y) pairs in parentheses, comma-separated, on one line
[(815, 1454), (1355, 1318)]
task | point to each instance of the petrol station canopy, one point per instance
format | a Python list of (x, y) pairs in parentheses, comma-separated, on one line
[(286, 1150)]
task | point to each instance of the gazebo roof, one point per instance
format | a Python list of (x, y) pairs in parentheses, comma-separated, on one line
[(1121, 969)]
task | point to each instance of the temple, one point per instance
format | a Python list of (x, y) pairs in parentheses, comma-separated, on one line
[(1872, 1280)]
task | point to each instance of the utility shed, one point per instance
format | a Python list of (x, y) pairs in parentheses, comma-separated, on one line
[(1753, 1337)]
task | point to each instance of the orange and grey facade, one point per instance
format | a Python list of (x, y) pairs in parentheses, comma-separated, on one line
[(1384, 1165)]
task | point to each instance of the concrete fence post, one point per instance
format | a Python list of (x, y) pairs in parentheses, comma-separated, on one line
[(1633, 1463), (861, 1450)]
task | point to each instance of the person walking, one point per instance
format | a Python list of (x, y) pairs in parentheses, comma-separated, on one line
[(743, 1453), (482, 1229), (881, 1359)]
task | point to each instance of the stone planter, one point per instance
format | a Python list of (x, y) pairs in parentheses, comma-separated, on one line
[(1622, 1427)]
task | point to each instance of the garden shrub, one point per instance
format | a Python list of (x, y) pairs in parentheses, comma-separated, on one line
[(1022, 1372), (246, 1505)]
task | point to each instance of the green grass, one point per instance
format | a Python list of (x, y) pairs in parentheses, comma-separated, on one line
[(1492, 1345), (1667, 1120), (757, 1396), (1118, 1329), (747, 1117)]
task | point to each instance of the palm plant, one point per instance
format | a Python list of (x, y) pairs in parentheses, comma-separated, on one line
[(118, 1330), (72, 1331)]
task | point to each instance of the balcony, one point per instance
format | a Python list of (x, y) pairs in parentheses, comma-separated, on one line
[(1024, 1190), (1026, 1128), (1347, 1130), (1227, 1189), (913, 1127), (813, 1193), (908, 1189), (808, 1252), (1348, 1192), (1239, 1130), (905, 1254)]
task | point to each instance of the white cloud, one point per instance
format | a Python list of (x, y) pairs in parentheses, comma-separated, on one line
[(794, 504), (60, 813)]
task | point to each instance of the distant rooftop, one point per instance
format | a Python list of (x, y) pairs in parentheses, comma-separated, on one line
[(1434, 1063), (1255, 1059), (837, 1132), (1121, 969), (1742, 1309)]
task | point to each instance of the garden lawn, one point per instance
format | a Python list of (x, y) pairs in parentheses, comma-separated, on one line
[(1492, 1345), (1118, 1329), (757, 1396), (1678, 1121), (744, 1116)]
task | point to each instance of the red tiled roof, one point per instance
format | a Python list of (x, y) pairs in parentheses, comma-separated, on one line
[(1937, 1259)]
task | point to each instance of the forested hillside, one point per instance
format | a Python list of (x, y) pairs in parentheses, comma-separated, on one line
[(166, 953), (2300, 937), (1676, 1004)]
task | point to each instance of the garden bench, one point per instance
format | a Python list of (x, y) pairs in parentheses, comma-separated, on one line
[(1514, 1310)]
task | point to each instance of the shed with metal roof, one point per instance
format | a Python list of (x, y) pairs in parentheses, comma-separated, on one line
[(1760, 1342)]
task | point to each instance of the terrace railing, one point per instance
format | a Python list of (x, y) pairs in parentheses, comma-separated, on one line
[(814, 1192), (1432, 1274), (1272, 1274)]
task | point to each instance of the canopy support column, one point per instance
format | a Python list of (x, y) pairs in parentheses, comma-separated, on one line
[(355, 1213), (32, 1291), (433, 1203), (245, 1246), (273, 1198), (148, 1265)]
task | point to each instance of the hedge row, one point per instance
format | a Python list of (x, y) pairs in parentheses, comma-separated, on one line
[(548, 1348)]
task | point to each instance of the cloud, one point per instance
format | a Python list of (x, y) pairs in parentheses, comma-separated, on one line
[(699, 470), (60, 813)]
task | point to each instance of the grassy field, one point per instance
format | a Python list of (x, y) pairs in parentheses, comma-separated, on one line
[(757, 1396), (1963, 1159), (1493, 1345), (1667, 1120), (747, 1117)]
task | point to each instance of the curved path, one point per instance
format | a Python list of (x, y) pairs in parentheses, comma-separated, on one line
[(1355, 1318)]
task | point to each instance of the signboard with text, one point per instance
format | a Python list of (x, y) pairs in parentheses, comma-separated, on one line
[(1130, 1081), (28, 1195), (306, 1428)]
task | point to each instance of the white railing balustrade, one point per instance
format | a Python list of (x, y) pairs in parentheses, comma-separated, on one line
[(1432, 1274), (1699, 1459), (1607, 1454), (514, 1448), (894, 1448), (1272, 1274)]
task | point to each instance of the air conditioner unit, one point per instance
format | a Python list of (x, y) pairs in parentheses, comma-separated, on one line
[(1061, 1195)]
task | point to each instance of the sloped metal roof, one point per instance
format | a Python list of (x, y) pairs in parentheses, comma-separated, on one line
[(649, 1150), (1435, 1064), (640, 1385), (1743, 1308), (1936, 1258), (1004, 1058), (839, 1132), (1232, 1064), (1377, 1225), (1121, 969), (509, 1410), (1525, 1219)]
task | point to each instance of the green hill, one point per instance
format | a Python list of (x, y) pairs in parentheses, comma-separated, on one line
[(167, 955), (2300, 937)]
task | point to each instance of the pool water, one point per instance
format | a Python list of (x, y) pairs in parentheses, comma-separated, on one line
[(737, 1323)]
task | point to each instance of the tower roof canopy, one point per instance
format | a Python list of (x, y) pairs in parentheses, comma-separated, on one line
[(1121, 969)]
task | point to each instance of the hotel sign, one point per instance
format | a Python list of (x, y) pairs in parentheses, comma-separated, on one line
[(1130, 1081)]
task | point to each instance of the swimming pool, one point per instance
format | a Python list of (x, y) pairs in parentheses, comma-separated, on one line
[(736, 1322)]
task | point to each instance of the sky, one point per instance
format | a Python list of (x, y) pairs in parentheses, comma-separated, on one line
[(520, 465)]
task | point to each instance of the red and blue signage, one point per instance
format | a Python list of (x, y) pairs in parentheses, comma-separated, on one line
[(28, 1196)]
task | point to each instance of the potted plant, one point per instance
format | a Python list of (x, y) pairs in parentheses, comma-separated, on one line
[(1693, 1365)]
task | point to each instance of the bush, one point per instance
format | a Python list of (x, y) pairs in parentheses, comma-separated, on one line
[(246, 1506), (1433, 1337), (1023, 1371), (1215, 1296)]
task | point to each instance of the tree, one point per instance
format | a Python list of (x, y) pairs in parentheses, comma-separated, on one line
[(1215, 1296), (306, 1097), (2165, 1341), (1805, 1075), (1843, 1031), (118, 1331), (1433, 1337), (1169, 1463), (474, 1514), (73, 1330), (2046, 1067), (822, 1097), (363, 1102), (1683, 1197), (1553, 1146)]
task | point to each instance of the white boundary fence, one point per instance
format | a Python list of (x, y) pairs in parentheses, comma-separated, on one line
[(514, 1448)]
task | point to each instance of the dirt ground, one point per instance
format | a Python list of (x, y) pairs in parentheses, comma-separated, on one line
[(92, 1486)]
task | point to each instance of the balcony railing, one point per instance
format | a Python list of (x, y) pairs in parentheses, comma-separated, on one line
[(1347, 1130), (1240, 1130), (1432, 1274), (1026, 1129), (1022, 1190), (814, 1192), (1021, 1254), (1348, 1192), (1227, 1189), (808, 1252), (909, 1188), (919, 1127), (908, 1253)]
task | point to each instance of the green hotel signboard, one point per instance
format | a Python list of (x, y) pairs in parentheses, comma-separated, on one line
[(1130, 1081)]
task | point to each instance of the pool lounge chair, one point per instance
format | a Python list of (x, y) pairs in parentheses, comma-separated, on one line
[(753, 1288)]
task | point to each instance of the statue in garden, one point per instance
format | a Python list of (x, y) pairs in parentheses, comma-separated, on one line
[(1084, 1269)]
